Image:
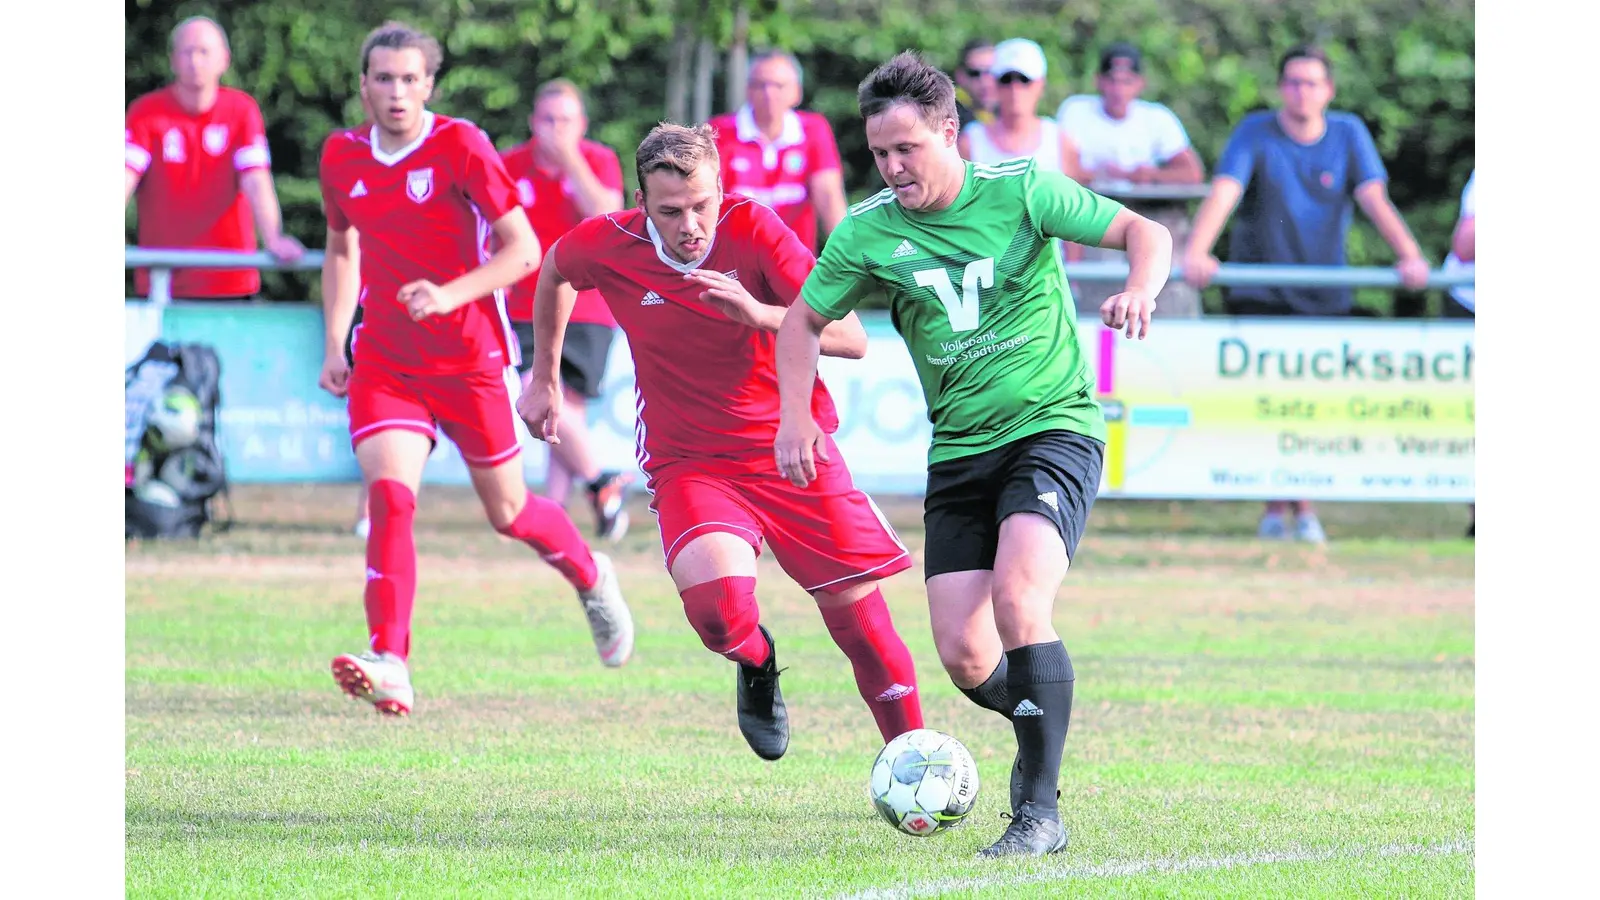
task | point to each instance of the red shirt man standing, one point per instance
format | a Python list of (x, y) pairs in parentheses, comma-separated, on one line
[(197, 158)]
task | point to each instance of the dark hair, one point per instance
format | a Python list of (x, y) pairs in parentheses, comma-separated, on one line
[(908, 79), (971, 45), (1305, 51), (393, 35)]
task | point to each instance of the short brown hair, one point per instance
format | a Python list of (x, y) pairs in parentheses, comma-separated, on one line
[(393, 35), (1305, 51), (557, 86), (908, 79), (677, 148)]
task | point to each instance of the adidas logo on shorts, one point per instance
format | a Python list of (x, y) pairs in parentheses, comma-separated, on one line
[(1048, 498), (905, 249), (651, 298)]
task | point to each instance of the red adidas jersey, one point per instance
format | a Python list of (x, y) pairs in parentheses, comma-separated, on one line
[(707, 386), (778, 173), (189, 166), (423, 213), (547, 198)]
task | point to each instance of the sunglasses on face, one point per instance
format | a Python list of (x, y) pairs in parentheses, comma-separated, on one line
[(973, 73), (1014, 78)]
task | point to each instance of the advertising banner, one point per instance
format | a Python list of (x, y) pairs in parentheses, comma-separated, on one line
[(1207, 408)]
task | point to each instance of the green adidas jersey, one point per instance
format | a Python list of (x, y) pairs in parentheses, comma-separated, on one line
[(978, 293)]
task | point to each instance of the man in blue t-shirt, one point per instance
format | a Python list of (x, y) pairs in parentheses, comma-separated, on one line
[(1293, 175)]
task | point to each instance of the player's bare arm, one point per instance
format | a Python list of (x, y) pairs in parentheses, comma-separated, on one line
[(516, 254), (827, 196), (553, 300), (846, 338), (1373, 198), (341, 288), (1199, 264), (131, 179), (1149, 247), (256, 184), (800, 442)]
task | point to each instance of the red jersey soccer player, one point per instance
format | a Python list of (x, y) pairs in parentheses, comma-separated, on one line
[(562, 179), (699, 282), (421, 192)]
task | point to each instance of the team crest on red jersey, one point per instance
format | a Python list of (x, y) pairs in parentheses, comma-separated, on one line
[(419, 184), (794, 162), (215, 139)]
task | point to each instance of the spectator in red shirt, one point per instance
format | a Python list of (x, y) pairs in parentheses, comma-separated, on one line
[(197, 158), (779, 156), (563, 178)]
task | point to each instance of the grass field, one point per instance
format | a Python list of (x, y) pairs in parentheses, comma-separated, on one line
[(1249, 720)]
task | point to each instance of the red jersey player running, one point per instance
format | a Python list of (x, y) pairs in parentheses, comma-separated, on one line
[(420, 192), (699, 282)]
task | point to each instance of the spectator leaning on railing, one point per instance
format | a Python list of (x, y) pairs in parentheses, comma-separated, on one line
[(1296, 171), (197, 159), (781, 156)]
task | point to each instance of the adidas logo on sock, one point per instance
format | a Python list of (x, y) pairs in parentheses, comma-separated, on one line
[(905, 249), (1049, 499), (651, 298), (1026, 708), (895, 692), (373, 574)]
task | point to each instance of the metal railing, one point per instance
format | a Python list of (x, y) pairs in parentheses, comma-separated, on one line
[(161, 262)]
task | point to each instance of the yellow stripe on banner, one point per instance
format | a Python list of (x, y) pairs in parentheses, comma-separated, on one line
[(1116, 452)]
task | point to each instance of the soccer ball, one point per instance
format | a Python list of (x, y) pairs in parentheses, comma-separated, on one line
[(175, 421), (158, 493), (924, 781)]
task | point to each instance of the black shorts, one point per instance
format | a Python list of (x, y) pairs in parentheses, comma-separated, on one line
[(1054, 473), (583, 354), (350, 337)]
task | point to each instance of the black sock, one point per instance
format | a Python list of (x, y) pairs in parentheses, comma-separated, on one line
[(1039, 682), (992, 693)]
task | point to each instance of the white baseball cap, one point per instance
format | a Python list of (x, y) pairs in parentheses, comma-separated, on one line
[(1018, 55)]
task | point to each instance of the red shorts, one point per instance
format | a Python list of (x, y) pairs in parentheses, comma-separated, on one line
[(826, 536), (474, 409)]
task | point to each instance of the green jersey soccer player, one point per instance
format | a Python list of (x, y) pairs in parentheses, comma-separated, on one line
[(965, 255)]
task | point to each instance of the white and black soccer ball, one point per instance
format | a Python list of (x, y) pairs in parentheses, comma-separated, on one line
[(923, 782), (174, 423)]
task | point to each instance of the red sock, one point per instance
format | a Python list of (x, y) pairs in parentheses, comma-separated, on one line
[(885, 674), (725, 615), (391, 567), (545, 526)]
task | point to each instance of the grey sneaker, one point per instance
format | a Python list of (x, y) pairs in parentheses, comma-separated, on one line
[(609, 619), (1032, 832), (1309, 529)]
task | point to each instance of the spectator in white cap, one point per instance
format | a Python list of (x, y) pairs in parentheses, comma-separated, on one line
[(1018, 131)]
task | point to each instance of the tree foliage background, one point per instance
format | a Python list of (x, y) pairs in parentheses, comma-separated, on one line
[(1405, 66)]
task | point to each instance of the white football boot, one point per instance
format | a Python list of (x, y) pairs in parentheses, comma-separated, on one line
[(381, 679), (609, 619)]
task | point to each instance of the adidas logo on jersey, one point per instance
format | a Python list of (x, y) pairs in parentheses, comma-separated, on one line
[(1026, 708), (1048, 498), (360, 190), (905, 249), (651, 298)]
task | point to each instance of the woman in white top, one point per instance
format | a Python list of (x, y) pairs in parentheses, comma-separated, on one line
[(1018, 130)]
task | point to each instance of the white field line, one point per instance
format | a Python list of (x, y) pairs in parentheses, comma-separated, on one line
[(1125, 868)]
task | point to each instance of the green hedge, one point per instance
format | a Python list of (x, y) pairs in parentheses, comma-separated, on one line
[(1405, 66)]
